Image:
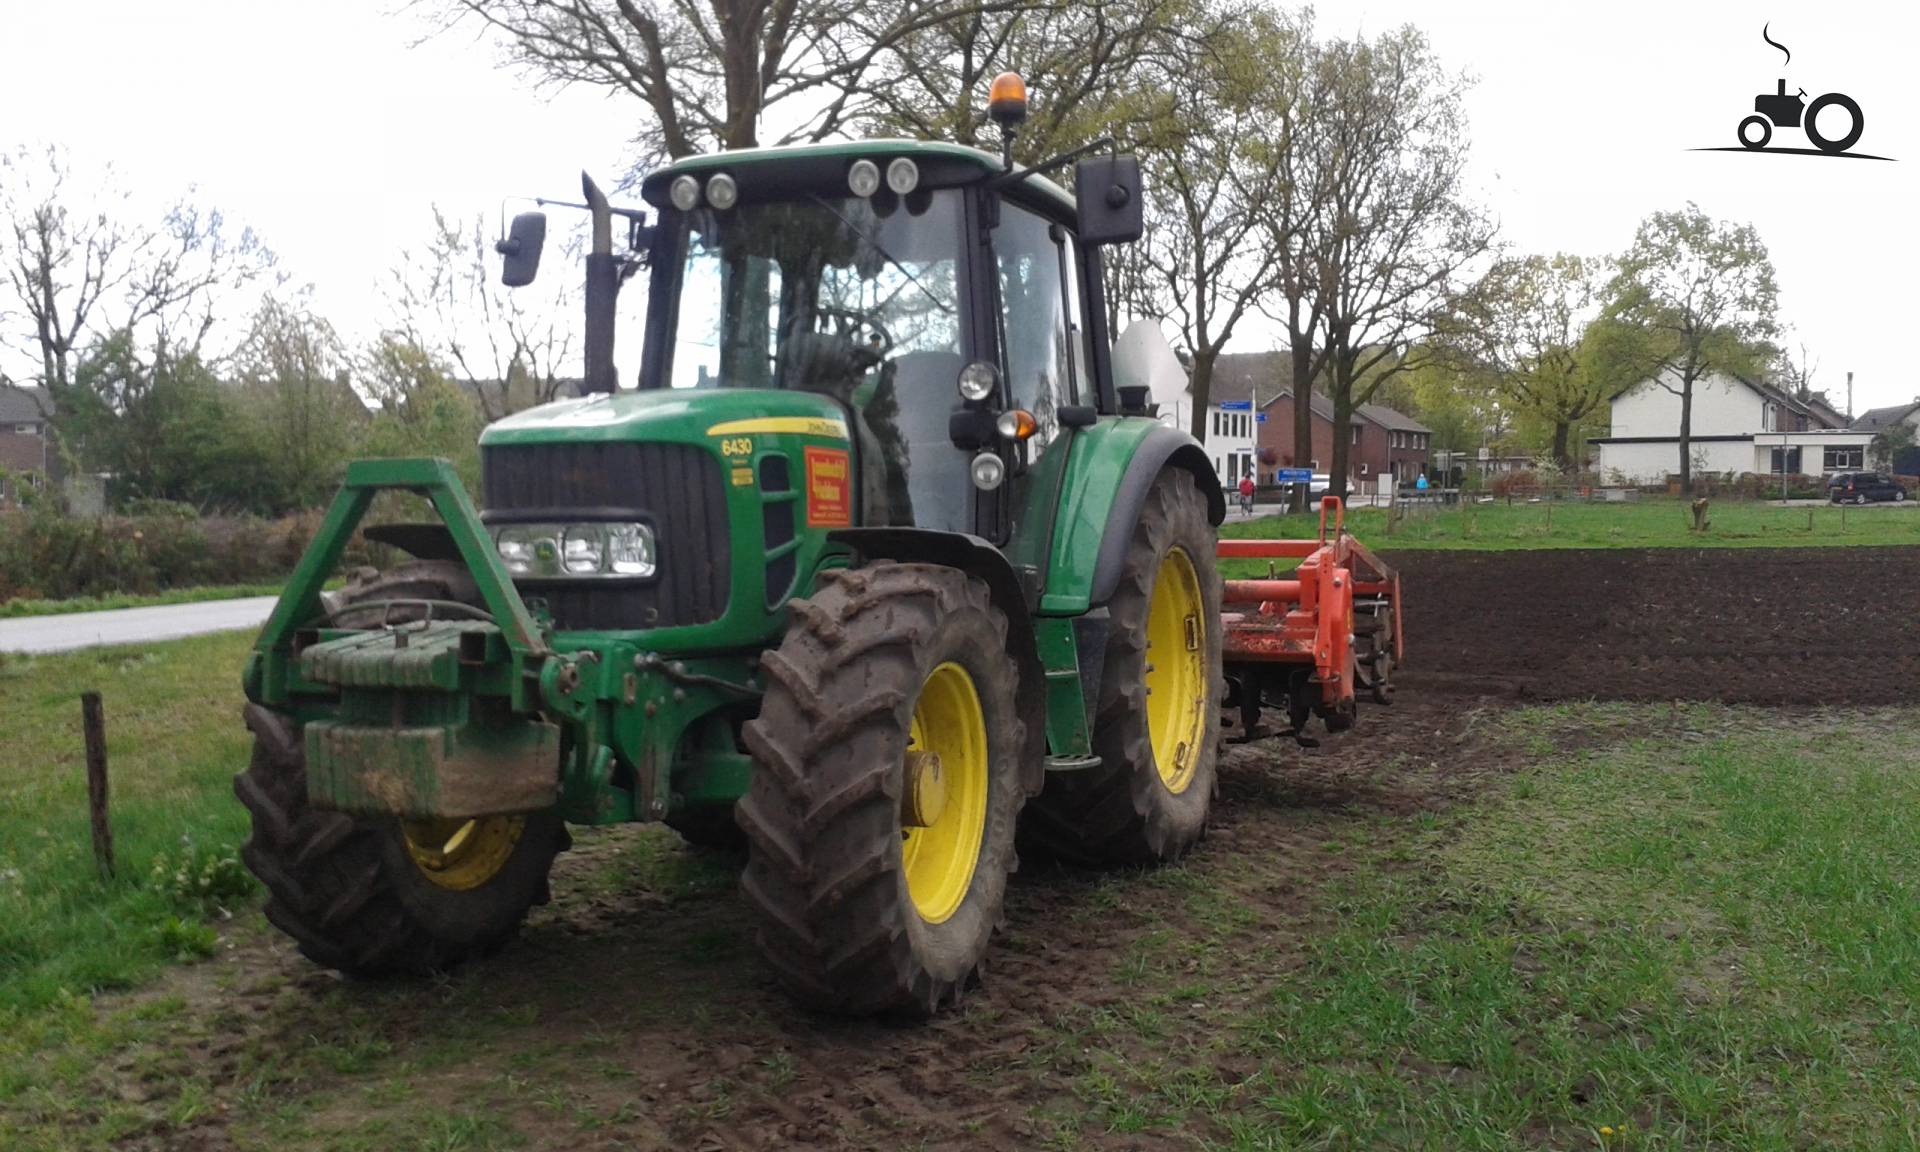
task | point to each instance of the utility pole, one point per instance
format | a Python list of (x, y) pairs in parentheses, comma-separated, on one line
[(1849, 397)]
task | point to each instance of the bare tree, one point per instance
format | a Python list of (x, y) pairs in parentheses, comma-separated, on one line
[(1702, 295), (1403, 233), (297, 370), (80, 264), (1079, 58), (710, 72), (1212, 168), (511, 350)]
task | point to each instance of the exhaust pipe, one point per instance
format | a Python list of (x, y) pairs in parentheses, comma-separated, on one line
[(603, 290)]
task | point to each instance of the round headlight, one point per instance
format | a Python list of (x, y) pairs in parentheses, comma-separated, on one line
[(685, 193), (516, 550), (582, 548), (630, 550), (863, 179), (988, 471), (903, 176), (722, 192), (977, 380)]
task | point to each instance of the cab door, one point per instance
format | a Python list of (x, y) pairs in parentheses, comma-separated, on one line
[(1045, 366)]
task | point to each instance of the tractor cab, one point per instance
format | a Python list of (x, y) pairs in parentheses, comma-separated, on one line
[(944, 303)]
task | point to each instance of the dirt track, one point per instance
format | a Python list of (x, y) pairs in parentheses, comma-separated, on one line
[(1768, 626)]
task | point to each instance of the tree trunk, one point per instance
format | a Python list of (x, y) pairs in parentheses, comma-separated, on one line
[(1342, 440), (1560, 454), (1200, 385), (1302, 419), (1686, 435)]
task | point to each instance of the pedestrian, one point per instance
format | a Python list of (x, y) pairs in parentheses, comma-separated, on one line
[(1246, 493)]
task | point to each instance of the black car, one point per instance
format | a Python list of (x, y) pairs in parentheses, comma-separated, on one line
[(1860, 487)]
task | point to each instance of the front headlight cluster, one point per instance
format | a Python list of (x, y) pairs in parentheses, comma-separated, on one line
[(576, 550)]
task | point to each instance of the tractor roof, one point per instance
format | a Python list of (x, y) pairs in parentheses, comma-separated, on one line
[(1039, 191)]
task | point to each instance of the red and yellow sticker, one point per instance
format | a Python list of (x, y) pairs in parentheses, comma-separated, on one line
[(829, 492)]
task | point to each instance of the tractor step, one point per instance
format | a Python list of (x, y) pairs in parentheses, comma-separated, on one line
[(1072, 763)]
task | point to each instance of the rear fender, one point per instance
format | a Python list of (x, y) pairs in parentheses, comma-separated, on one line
[(980, 559)]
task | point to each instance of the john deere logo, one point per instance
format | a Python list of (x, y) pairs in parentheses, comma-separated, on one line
[(1830, 134)]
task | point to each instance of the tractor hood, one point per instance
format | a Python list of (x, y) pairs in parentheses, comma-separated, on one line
[(683, 415)]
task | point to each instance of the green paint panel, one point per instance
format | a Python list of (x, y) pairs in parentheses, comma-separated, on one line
[(1066, 708), (435, 771), (1100, 458)]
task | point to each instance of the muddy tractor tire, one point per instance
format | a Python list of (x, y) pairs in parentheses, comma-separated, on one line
[(379, 896), (887, 785), (1157, 724)]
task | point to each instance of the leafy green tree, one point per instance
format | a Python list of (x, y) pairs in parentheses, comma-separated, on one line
[(1889, 444), (421, 412), (1526, 323), (1702, 295), (295, 379)]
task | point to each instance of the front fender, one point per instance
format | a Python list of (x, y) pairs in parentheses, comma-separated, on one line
[(1110, 469)]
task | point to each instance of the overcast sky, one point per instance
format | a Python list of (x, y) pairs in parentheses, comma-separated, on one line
[(325, 128)]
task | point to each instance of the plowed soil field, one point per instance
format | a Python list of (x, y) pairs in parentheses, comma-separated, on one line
[(1782, 626)]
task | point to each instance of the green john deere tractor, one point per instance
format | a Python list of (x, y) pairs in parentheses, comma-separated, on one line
[(875, 572)]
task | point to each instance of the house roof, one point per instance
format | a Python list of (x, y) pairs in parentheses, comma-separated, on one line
[(23, 405), (1874, 419), (1237, 375), (1813, 405)]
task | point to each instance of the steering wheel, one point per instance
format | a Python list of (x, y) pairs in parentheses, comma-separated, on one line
[(848, 323)]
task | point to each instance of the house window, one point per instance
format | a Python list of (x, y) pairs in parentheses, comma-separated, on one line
[(1786, 460), (26, 429), (1844, 459), (1363, 467)]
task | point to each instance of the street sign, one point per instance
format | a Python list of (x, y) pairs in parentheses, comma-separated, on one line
[(1260, 418), (1293, 476), (1236, 405)]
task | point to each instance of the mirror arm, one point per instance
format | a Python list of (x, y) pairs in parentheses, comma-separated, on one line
[(1008, 179)]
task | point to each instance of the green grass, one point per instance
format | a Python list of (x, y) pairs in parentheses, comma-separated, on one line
[(1707, 937), (1651, 523), (174, 741), (15, 608)]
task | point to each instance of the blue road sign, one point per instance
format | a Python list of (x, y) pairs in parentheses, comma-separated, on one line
[(1260, 418), (1293, 476), (1236, 405)]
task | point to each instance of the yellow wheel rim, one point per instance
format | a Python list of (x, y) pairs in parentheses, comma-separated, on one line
[(1176, 670), (462, 854), (939, 859)]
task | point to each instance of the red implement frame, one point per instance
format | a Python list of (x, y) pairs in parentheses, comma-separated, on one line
[(1309, 622)]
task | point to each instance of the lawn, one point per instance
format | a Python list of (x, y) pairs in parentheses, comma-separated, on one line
[(1651, 523), (1702, 933), (174, 742), (15, 608)]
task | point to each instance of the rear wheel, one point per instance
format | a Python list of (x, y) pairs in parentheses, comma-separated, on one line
[(888, 759), (1157, 726), (378, 896)]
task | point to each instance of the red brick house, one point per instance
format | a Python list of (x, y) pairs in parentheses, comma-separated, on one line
[(1385, 443), (26, 443)]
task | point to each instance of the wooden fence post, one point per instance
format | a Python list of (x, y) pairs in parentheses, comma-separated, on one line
[(95, 724)]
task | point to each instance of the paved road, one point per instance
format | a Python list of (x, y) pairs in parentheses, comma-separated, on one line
[(131, 625)]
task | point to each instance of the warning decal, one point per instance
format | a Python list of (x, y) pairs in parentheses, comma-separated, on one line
[(829, 496)]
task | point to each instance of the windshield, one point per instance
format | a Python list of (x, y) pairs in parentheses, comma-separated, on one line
[(857, 299), (816, 294)]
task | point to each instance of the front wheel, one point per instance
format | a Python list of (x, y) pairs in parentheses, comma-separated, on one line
[(1861, 499), (1157, 725), (1759, 141), (377, 896), (1900, 496), (1811, 122), (889, 760)]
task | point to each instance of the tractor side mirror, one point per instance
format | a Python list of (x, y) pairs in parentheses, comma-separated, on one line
[(1107, 189), (521, 249)]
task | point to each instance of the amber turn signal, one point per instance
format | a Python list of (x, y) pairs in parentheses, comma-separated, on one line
[(1017, 424)]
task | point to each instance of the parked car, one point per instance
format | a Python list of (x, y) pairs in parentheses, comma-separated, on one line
[(1860, 487)]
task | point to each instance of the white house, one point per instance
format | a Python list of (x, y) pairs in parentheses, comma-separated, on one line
[(1739, 426), (1142, 356)]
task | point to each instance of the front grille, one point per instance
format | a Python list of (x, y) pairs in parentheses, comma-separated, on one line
[(676, 487)]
